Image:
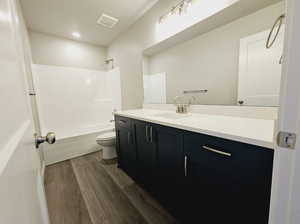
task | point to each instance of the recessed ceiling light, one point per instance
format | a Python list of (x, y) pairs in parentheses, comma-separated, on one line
[(76, 35)]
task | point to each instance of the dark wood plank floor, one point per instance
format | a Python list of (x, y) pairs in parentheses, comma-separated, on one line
[(85, 191), (64, 197)]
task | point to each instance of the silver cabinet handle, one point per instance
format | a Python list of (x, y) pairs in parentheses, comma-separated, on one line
[(185, 166), (151, 134), (147, 135), (129, 137), (216, 151)]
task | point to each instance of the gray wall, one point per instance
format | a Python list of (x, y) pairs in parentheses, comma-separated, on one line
[(211, 61), (52, 50), (127, 52)]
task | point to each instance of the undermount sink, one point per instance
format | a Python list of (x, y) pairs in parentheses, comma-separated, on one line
[(172, 115)]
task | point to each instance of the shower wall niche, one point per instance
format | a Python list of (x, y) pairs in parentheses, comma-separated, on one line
[(73, 101)]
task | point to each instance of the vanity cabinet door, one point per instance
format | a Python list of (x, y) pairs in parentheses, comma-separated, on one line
[(169, 179), (230, 182), (125, 145), (146, 153)]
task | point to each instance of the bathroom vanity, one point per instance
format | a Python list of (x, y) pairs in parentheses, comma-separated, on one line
[(200, 167)]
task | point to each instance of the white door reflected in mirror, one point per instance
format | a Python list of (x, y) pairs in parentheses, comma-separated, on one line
[(260, 70)]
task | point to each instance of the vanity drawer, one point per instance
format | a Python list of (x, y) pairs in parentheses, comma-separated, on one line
[(238, 160), (214, 147), (224, 175), (225, 161), (123, 122), (237, 164)]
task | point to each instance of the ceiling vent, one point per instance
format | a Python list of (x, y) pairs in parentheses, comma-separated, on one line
[(107, 21)]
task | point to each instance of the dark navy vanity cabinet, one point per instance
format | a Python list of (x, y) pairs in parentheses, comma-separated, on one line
[(198, 178), (125, 146)]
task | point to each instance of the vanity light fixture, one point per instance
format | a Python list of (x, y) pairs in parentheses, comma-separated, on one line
[(179, 9)]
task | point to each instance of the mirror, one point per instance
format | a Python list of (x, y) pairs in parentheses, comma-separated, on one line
[(226, 66)]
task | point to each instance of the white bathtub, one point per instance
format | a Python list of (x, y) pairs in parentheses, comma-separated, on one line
[(73, 144)]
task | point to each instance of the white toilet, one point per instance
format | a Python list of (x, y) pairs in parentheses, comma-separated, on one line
[(107, 141)]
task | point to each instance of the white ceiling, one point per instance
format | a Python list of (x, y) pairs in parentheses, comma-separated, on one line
[(63, 17)]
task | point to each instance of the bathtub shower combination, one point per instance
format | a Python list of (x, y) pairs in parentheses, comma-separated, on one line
[(77, 104)]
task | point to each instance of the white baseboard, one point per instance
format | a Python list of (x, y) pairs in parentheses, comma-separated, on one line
[(69, 148)]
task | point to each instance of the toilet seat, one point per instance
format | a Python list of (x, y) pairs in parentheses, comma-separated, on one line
[(106, 136)]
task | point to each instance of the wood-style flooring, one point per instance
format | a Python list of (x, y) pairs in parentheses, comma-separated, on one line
[(85, 191)]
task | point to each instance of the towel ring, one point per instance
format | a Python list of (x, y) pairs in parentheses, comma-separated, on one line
[(279, 22)]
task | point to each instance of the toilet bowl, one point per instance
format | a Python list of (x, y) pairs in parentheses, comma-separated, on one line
[(107, 141)]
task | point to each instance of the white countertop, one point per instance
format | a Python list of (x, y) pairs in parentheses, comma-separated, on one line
[(252, 131)]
